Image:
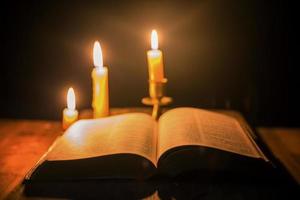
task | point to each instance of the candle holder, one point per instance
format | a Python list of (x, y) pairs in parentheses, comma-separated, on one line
[(157, 97)]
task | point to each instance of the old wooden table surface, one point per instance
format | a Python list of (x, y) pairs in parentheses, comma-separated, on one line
[(23, 142)]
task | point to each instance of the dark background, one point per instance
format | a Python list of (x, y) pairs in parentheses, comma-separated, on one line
[(218, 54)]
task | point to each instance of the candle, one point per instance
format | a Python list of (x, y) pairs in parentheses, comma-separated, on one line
[(100, 102), (155, 60), (70, 114)]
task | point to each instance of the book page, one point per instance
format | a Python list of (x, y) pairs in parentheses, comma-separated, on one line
[(191, 126), (128, 133)]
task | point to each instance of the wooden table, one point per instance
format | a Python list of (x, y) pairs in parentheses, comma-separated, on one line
[(23, 142), (285, 145)]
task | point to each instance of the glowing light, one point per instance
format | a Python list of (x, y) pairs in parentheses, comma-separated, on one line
[(97, 55), (154, 40), (71, 104)]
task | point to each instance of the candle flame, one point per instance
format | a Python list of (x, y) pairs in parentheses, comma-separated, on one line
[(154, 40), (71, 104), (97, 53)]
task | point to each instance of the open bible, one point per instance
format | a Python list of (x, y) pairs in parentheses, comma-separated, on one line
[(136, 146)]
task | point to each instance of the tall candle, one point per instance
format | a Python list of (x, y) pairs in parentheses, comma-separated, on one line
[(100, 102), (155, 60), (70, 114)]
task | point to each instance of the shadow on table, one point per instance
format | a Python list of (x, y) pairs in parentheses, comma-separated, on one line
[(103, 189), (189, 186), (230, 186)]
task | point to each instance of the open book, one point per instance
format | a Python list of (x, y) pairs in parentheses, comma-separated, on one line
[(136, 146)]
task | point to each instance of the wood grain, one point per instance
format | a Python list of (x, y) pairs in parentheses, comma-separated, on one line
[(22, 143), (285, 145)]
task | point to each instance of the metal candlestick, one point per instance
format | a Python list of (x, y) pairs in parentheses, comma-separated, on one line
[(157, 97)]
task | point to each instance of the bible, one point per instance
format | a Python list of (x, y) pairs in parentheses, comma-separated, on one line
[(135, 146)]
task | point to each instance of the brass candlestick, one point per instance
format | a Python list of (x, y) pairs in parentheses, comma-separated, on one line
[(157, 97)]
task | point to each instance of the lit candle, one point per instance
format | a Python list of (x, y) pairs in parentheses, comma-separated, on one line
[(100, 102), (155, 60), (70, 114)]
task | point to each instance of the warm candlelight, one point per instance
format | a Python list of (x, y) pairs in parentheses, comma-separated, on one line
[(70, 114), (100, 102), (155, 60)]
